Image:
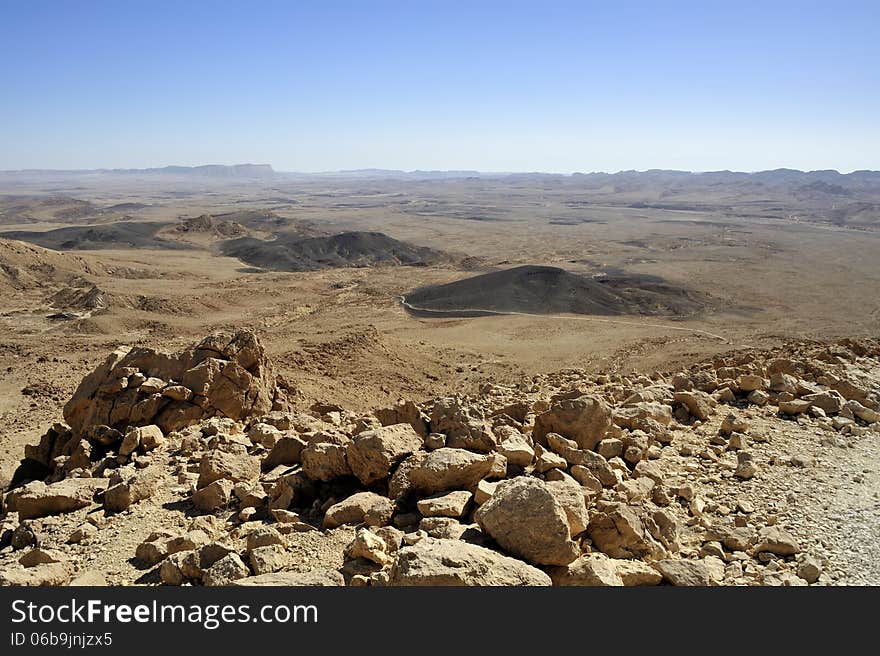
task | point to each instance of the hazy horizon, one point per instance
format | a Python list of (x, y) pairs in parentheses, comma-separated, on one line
[(513, 86), (428, 170)]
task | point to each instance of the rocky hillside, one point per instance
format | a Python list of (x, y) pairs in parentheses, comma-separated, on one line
[(193, 468)]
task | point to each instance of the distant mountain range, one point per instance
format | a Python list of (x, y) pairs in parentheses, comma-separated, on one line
[(255, 171), (825, 182)]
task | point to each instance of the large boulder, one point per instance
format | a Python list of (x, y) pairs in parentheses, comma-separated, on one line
[(372, 454), (464, 425), (585, 420), (450, 469), (37, 499), (225, 375), (525, 517), (453, 562), (364, 507), (235, 467), (699, 404), (404, 412), (619, 532), (590, 569)]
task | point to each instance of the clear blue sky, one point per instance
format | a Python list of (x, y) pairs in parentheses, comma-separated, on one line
[(495, 86)]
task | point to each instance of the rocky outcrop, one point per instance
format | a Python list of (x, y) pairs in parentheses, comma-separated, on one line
[(224, 375)]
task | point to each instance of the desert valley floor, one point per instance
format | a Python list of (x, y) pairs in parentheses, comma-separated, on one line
[(346, 283)]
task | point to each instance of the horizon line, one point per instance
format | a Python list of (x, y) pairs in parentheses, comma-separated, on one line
[(375, 169)]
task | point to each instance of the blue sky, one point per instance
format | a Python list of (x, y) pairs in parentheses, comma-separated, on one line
[(494, 86)]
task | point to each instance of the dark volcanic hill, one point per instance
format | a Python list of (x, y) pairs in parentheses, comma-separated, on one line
[(550, 290), (347, 249), (124, 234)]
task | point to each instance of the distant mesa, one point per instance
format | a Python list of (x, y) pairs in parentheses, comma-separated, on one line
[(534, 289), (291, 252)]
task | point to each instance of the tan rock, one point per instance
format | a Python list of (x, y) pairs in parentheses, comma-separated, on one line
[(637, 572), (372, 454), (433, 562), (585, 420), (363, 507), (525, 518), (449, 504), (589, 569), (449, 469)]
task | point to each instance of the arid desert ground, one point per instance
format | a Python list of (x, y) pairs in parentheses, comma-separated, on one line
[(339, 278)]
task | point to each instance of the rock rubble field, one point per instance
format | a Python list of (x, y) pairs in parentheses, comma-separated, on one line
[(194, 468)]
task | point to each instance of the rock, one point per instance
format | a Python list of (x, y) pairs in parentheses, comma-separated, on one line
[(745, 467), (82, 533), (589, 569), (867, 415), (684, 572), (229, 374), (90, 578), (218, 464), (758, 397), (618, 531), (450, 504), (268, 559), (596, 464), (809, 569), (286, 451), (699, 404), (525, 518), (370, 546), (404, 412), (130, 443), (610, 447), (225, 571), (449, 469), (442, 527), (484, 491), (548, 460), (215, 496), (645, 469), (733, 423), (312, 578), (830, 402), (133, 489), (39, 556), (637, 572), (49, 574), (726, 395), (171, 569), (570, 495), (734, 538), (463, 424), (435, 562), (634, 416), (152, 385), (772, 539), (263, 536), (517, 449), (794, 407), (363, 507), (372, 454), (586, 478), (36, 499), (751, 382), (434, 441), (324, 461), (585, 420), (264, 434)]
